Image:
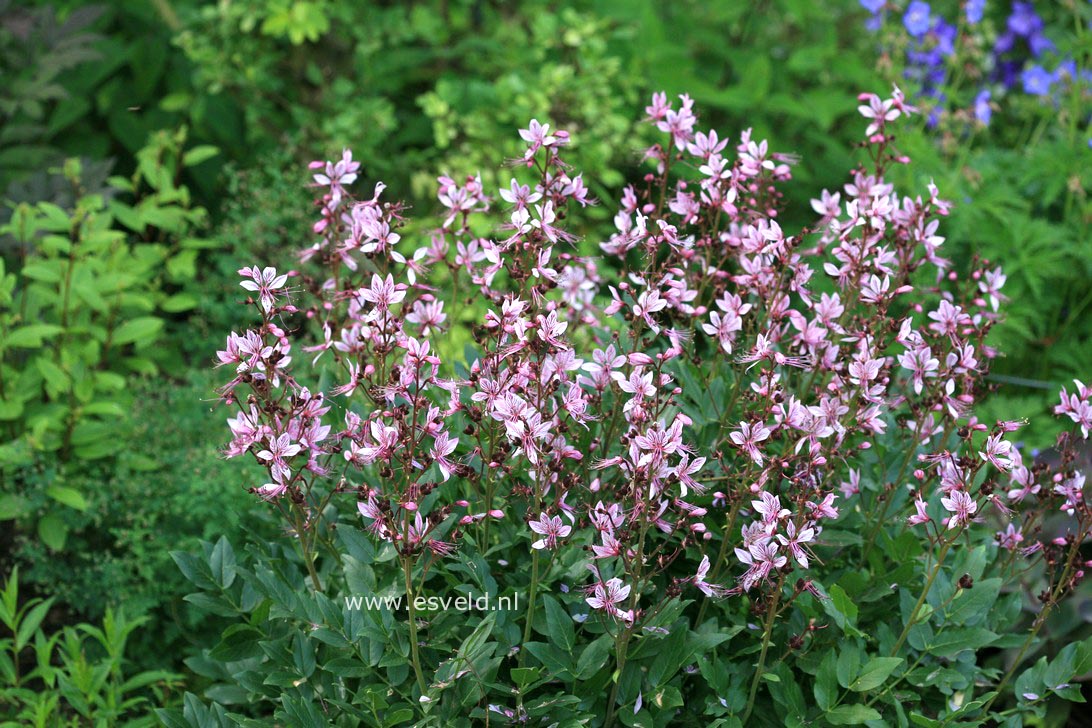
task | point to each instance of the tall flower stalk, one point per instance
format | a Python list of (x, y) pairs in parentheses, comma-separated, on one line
[(602, 396)]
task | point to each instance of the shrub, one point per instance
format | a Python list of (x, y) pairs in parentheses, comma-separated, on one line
[(84, 299), (78, 674), (168, 492), (749, 473)]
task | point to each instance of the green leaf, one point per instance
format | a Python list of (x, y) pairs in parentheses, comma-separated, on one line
[(953, 641), (57, 380), (12, 507), (842, 609), (473, 645), (142, 330), (400, 717), (222, 563), (31, 337), (199, 154), (852, 714), (46, 272), (593, 657), (195, 570), (524, 676), (68, 496), (826, 682), (303, 655), (239, 642), (179, 302), (557, 662), (559, 624), (848, 665), (10, 410), (973, 605), (53, 531), (30, 623), (874, 673)]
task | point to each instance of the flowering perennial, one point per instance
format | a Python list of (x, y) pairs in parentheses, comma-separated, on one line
[(686, 402)]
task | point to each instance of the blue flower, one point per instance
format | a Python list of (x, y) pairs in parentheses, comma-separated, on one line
[(975, 9), (1040, 44), (1005, 42), (1066, 71), (916, 19), (982, 110), (873, 6), (1024, 21), (1037, 80), (946, 35)]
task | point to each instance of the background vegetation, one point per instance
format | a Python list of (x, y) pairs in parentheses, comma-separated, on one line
[(149, 149)]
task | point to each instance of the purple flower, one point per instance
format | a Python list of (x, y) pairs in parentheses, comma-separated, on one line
[(1024, 21), (982, 110), (1040, 44), (1066, 71), (974, 10), (1005, 42), (873, 6), (945, 34), (916, 19), (1037, 80)]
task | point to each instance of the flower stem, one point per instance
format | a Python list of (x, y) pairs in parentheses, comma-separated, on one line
[(414, 653), (308, 551), (771, 614), (921, 600), (621, 647), (1039, 622)]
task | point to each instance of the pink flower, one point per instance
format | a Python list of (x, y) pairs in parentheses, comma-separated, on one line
[(611, 546), (796, 542), (551, 528), (279, 449), (1072, 490), (537, 136), (762, 558), (995, 452), (748, 437), (429, 315), (383, 292), (961, 506), (920, 516), (265, 282), (442, 446), (879, 111), (606, 596), (769, 507), (824, 508), (1010, 538), (709, 590)]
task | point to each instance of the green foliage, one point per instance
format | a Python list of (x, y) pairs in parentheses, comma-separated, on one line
[(36, 107), (82, 302), (78, 675), (166, 493), (106, 282), (85, 296)]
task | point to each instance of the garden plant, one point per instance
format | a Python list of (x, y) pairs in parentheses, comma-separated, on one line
[(724, 466), (550, 393)]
